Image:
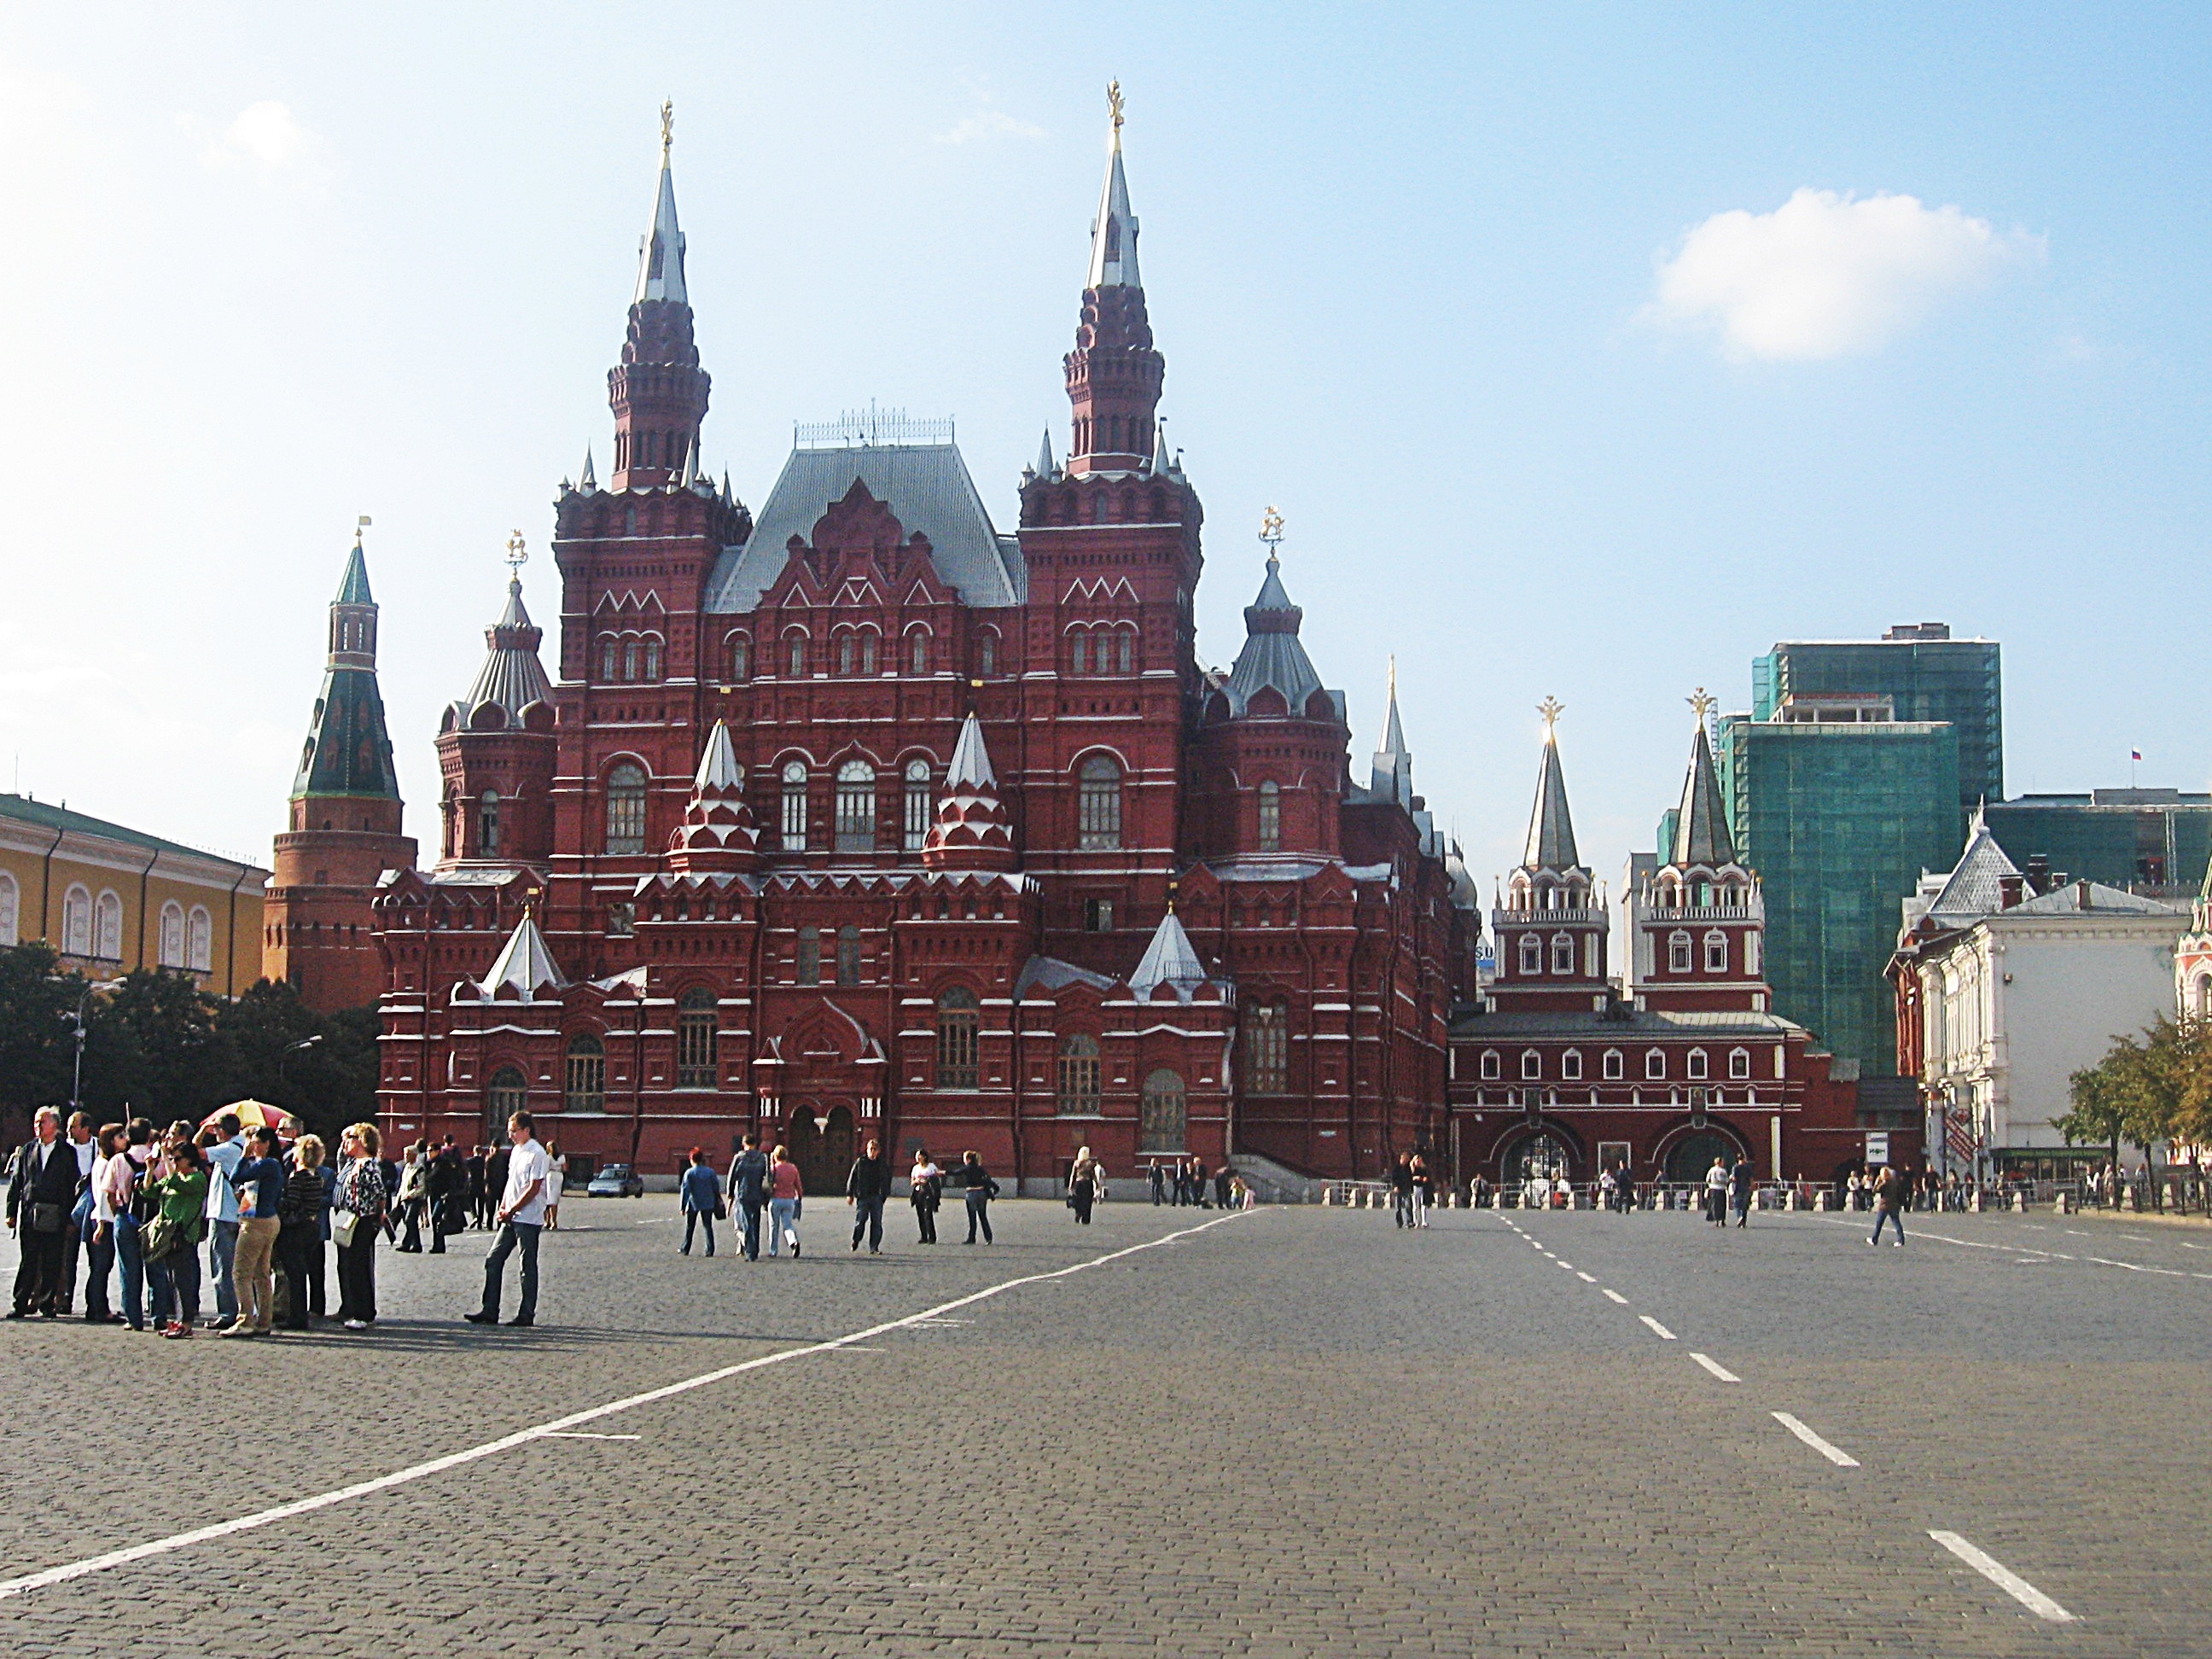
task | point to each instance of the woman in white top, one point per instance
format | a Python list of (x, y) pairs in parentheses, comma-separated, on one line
[(100, 1249), (558, 1175)]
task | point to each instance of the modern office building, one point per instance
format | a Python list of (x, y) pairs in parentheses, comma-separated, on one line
[(1838, 803), (2141, 838), (1925, 675)]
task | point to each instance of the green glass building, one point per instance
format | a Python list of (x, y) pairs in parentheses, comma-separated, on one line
[(1839, 806), (2122, 837)]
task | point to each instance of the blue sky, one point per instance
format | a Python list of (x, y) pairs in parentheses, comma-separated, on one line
[(1586, 351)]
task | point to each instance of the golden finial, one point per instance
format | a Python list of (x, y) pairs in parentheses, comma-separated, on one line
[(1701, 704), (667, 128), (1114, 107), (1551, 708), (517, 556), (1393, 676), (1271, 529), (359, 524)]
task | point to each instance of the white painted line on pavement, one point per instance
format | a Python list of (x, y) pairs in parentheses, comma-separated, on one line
[(2004, 1578), (1718, 1369), (1658, 1329), (1616, 1296), (1569, 1266), (580, 1434), (1842, 1460), (92, 1564), (1584, 1277)]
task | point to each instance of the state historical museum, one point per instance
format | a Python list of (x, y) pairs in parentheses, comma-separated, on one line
[(858, 816)]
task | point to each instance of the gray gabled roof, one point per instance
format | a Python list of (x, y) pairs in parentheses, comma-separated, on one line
[(2076, 897), (927, 487)]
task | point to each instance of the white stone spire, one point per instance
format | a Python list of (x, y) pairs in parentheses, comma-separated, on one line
[(971, 761), (1169, 959), (523, 965), (718, 766), (1114, 231), (660, 255)]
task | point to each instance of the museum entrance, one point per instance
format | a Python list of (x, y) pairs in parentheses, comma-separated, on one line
[(825, 1157), (1688, 1158)]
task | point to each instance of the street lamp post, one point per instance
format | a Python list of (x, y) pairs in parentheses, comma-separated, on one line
[(76, 1069), (288, 1051)]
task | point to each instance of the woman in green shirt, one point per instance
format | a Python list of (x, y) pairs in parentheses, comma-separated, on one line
[(181, 1192)]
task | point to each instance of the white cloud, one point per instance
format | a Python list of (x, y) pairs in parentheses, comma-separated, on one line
[(1827, 275), (265, 135), (990, 124)]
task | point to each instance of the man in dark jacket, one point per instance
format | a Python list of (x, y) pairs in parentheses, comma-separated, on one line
[(748, 1190), (866, 1189), (495, 1178), (478, 1209), (42, 1192)]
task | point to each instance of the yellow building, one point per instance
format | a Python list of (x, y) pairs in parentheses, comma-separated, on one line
[(112, 899)]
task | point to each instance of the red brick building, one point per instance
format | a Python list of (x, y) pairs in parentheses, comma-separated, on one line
[(858, 815), (1558, 1069)]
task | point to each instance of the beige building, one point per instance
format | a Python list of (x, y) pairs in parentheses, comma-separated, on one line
[(112, 899)]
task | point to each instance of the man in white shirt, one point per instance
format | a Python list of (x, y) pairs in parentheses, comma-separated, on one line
[(79, 1132), (521, 1217), (224, 1157)]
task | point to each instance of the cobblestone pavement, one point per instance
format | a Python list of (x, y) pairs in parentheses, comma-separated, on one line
[(1298, 1431)]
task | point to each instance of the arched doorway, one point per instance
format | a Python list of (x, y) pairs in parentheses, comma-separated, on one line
[(1165, 1117), (1688, 1158), (1542, 1155), (825, 1156)]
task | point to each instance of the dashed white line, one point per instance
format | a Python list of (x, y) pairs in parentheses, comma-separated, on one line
[(580, 1434), (1569, 1266), (1658, 1329), (1842, 1460), (2004, 1578), (1584, 1277), (1717, 1369), (1615, 1295)]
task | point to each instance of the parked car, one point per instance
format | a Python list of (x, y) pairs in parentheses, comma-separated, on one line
[(616, 1181)]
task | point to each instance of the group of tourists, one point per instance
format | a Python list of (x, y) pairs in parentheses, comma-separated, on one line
[(768, 1182), (446, 1191), (133, 1206), (1411, 1189), (1184, 1181)]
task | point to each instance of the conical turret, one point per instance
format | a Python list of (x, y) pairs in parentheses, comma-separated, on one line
[(718, 832), (1391, 773), (1701, 826), (972, 830), (1551, 844), (659, 393), (1114, 373), (512, 677), (348, 752)]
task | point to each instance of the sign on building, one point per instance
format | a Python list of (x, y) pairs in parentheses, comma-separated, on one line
[(1877, 1146)]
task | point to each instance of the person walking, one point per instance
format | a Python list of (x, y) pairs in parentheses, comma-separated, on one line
[(1717, 1184), (41, 1194), (923, 1183), (1081, 1176), (357, 1217), (521, 1217), (497, 1160), (300, 1231), (449, 1194), (414, 1192), (749, 1178), (176, 1188), (260, 1185), (785, 1189), (1740, 1184), (473, 1196), (981, 1190), (1421, 1193), (1401, 1191), (866, 1186), (1888, 1204), (700, 1193), (1157, 1178)]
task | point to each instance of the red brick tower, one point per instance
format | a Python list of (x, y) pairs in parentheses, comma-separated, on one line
[(496, 749), (659, 391), (318, 928)]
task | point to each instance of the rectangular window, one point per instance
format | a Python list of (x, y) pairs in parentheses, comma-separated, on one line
[(1098, 915), (809, 955), (794, 816), (920, 811)]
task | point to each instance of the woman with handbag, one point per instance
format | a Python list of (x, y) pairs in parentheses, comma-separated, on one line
[(785, 1191), (361, 1201), (170, 1246), (1081, 1178)]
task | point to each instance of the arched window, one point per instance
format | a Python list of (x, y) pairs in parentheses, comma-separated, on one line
[(1164, 1118), (987, 655), (508, 1093), (1695, 1070), (1563, 953), (1678, 953), (626, 809), (1655, 1063), (794, 806), (809, 955), (920, 805), (450, 823), (200, 941), (76, 922), (917, 652), (1570, 1065), (1098, 822), (1271, 817), (696, 1026), (171, 953), (1717, 953), (487, 824), (1267, 1048), (586, 1089), (1532, 954), (2204, 983), (1532, 1065), (849, 955), (867, 653), (1125, 644), (844, 653), (856, 806), (633, 657), (1739, 1063), (741, 657), (11, 909), (1492, 1067), (653, 656), (610, 657), (107, 928), (958, 1016), (1079, 1077), (1615, 1066), (1079, 653)]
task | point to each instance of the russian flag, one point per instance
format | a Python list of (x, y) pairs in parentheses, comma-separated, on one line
[(2134, 754)]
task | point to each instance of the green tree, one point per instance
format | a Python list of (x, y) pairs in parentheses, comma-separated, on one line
[(153, 1050), (322, 1068), (37, 1032), (2147, 1091)]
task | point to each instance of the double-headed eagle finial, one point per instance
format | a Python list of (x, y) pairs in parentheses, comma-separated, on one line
[(1551, 708), (1113, 107), (1701, 704), (667, 128), (517, 555)]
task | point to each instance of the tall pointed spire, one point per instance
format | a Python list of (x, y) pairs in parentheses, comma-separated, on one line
[(659, 393), (973, 830), (589, 481), (1044, 461), (1551, 829), (348, 752), (1701, 826), (1114, 373), (1114, 231), (1391, 773)]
